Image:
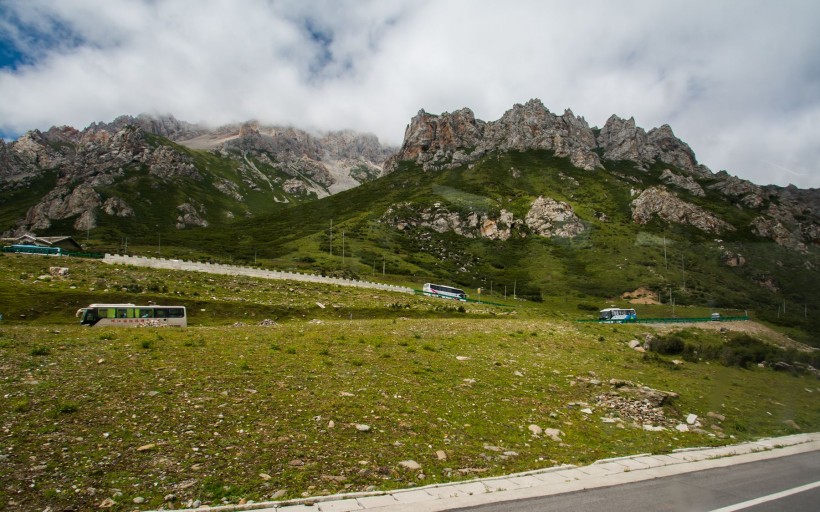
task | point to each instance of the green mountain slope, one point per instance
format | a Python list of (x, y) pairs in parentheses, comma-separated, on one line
[(613, 255)]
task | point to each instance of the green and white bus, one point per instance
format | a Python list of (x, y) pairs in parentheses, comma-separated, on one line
[(131, 315), (617, 315)]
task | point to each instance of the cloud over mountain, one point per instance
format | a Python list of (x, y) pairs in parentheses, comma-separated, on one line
[(738, 80)]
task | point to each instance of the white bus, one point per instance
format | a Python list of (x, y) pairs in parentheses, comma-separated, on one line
[(617, 315), (446, 292), (131, 315)]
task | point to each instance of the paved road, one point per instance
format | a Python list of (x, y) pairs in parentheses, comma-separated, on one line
[(721, 489)]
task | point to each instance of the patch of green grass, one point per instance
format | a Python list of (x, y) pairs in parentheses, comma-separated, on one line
[(67, 407)]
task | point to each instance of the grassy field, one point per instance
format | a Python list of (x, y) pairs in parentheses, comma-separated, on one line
[(227, 410)]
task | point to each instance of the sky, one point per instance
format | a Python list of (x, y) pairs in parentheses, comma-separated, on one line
[(738, 80)]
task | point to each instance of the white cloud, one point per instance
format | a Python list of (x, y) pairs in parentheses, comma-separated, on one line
[(737, 80)]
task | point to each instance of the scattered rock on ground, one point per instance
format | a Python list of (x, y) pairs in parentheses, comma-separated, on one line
[(792, 424), (554, 434)]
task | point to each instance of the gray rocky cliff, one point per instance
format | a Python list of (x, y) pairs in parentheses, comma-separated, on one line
[(87, 162), (451, 139), (546, 217), (660, 202)]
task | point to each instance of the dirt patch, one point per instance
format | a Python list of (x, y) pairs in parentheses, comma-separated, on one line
[(755, 329), (641, 296)]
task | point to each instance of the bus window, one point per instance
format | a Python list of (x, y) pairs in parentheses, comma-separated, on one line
[(146, 313), (176, 312), (160, 313)]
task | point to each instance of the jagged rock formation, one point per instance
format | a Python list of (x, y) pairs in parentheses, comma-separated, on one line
[(659, 201), (546, 217), (751, 195), (284, 163), (448, 140), (623, 140), (685, 182), (731, 259), (191, 215), (325, 164)]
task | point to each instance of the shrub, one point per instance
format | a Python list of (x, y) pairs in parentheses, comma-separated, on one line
[(67, 407), (667, 345), (744, 351), (587, 307), (40, 351)]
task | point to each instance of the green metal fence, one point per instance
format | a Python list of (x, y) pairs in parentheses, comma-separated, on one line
[(93, 255), (672, 320)]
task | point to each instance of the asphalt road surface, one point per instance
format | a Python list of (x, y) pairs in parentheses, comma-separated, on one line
[(786, 483)]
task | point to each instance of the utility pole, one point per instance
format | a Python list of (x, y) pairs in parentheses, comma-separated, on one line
[(330, 245), (665, 263)]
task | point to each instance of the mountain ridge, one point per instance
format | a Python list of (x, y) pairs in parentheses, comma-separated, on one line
[(449, 140), (282, 165)]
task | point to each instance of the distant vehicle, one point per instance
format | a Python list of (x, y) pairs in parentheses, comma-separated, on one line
[(716, 317), (131, 315), (445, 292), (617, 315), (34, 249)]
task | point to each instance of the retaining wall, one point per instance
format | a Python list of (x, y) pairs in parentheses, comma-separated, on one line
[(234, 270)]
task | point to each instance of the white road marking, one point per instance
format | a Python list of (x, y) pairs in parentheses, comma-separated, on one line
[(770, 497)]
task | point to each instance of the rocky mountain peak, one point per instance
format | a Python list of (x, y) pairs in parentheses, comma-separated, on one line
[(448, 140), (451, 139)]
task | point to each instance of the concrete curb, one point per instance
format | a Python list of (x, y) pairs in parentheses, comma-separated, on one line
[(543, 482)]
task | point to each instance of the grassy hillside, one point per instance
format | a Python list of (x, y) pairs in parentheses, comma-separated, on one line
[(332, 399), (346, 235), (612, 256)]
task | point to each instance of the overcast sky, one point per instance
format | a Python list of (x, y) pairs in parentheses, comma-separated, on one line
[(739, 81)]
